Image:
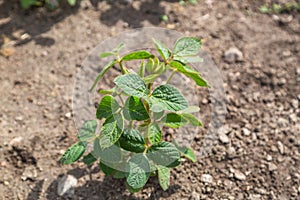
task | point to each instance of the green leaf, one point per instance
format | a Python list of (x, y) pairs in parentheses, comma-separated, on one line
[(187, 46), (175, 163), (134, 109), (150, 78), (190, 109), (167, 97), (154, 133), (89, 159), (73, 153), (163, 177), (174, 120), (194, 59), (132, 140), (190, 72), (106, 169), (119, 174), (158, 115), (191, 119), (109, 155), (88, 130), (28, 3), (106, 54), (132, 85), (141, 70), (162, 49), (100, 75), (139, 171), (137, 55), (131, 189), (163, 153), (111, 130), (119, 47), (72, 2), (111, 91), (188, 153), (107, 107)]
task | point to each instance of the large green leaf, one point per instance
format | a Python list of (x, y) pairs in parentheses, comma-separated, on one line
[(139, 171), (88, 130), (134, 109), (167, 97), (174, 120), (163, 153), (132, 85), (137, 55), (191, 119), (163, 177), (187, 46), (154, 133), (109, 155), (111, 130), (100, 75), (132, 140), (190, 72), (73, 153), (107, 107), (162, 49)]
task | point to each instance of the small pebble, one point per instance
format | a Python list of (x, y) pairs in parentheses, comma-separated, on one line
[(239, 175), (232, 55)]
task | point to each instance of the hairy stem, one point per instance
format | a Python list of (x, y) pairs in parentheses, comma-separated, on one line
[(171, 76)]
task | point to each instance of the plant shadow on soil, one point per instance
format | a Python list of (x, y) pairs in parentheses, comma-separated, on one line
[(34, 21), (150, 10), (106, 189)]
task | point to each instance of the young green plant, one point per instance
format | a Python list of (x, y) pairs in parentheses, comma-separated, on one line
[(133, 113)]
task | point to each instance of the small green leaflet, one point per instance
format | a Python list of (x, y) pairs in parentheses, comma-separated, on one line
[(174, 120), (163, 153), (27, 3), (151, 78), (187, 46), (134, 109), (132, 85), (107, 107), (139, 171), (100, 75), (167, 97), (190, 109), (106, 54), (191, 119), (188, 153), (72, 2), (141, 70), (194, 59), (190, 72), (88, 130), (132, 140), (162, 49), (154, 133), (137, 55), (106, 169), (73, 153), (89, 159), (163, 177), (111, 130)]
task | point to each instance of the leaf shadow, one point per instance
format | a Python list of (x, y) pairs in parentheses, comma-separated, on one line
[(32, 22), (108, 188)]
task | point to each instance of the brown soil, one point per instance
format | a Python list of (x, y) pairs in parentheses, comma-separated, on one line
[(45, 50)]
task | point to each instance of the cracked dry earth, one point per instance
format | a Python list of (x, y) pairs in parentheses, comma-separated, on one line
[(257, 155)]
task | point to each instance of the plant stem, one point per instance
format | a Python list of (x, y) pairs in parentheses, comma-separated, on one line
[(171, 76), (122, 68)]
